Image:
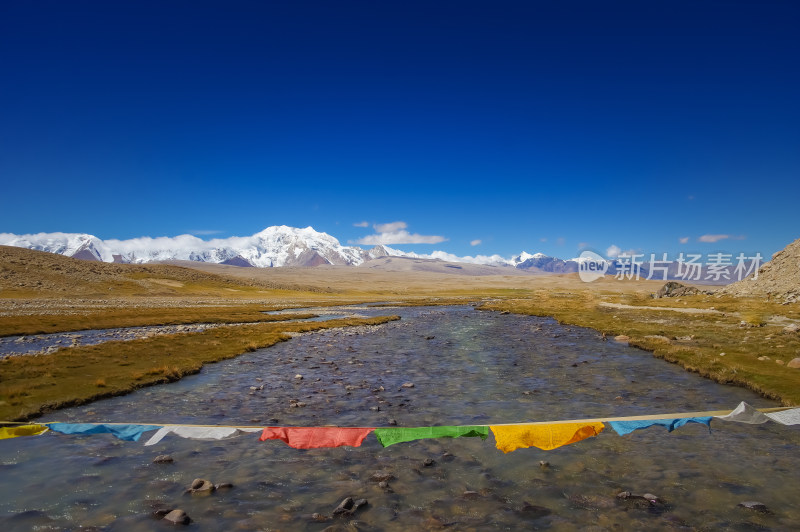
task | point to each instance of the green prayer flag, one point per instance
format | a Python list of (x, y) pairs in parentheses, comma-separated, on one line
[(390, 436)]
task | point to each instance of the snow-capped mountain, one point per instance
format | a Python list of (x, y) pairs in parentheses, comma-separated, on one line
[(283, 246), (274, 246)]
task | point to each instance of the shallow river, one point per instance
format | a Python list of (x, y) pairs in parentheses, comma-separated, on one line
[(468, 367)]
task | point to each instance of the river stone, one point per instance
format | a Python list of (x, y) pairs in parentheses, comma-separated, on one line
[(407, 385), (622, 338), (163, 459), (381, 476), (201, 487), (533, 511), (177, 517), (794, 363), (348, 506), (754, 505)]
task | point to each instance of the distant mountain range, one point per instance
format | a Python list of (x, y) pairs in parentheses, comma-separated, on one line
[(277, 246)]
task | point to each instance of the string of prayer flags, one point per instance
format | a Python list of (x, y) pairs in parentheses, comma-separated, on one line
[(317, 437), (544, 436), (626, 427), (198, 433), (123, 432), (21, 430), (390, 436)]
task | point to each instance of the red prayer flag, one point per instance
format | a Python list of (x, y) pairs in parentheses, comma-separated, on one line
[(316, 437)]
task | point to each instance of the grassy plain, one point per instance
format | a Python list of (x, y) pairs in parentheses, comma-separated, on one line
[(690, 331)]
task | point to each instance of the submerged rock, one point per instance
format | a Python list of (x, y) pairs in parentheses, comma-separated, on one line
[(381, 476), (177, 517), (755, 506), (531, 510), (163, 459), (349, 506), (344, 507)]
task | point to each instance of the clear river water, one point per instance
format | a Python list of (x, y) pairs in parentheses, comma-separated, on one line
[(468, 367)]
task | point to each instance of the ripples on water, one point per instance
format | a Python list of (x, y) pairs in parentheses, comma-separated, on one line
[(468, 367)]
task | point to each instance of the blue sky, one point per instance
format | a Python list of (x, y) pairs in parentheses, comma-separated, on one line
[(543, 126)]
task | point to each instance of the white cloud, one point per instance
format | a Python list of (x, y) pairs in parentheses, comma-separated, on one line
[(205, 232), (395, 233), (399, 237), (613, 251), (361, 224), (391, 227), (583, 245), (713, 238), (543, 239), (493, 260), (476, 242), (684, 240), (560, 241)]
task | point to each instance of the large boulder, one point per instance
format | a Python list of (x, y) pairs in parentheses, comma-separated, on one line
[(674, 289)]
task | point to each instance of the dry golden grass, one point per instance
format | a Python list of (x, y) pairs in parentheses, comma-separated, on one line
[(121, 317)]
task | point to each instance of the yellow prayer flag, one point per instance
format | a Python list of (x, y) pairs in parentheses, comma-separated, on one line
[(511, 437), (21, 430)]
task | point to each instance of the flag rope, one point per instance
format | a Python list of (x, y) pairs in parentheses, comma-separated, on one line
[(710, 413)]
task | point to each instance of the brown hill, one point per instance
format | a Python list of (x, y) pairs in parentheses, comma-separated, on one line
[(778, 279), (29, 273)]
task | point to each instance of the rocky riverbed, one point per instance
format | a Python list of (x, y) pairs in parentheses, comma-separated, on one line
[(437, 366)]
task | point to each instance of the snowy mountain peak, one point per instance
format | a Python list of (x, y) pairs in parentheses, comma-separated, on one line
[(274, 246), (522, 257)]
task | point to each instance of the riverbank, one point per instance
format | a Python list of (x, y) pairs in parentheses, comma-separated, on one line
[(33, 385), (737, 341)]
